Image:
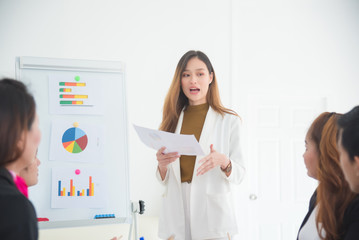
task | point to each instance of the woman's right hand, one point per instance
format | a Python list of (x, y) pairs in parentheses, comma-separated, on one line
[(164, 159)]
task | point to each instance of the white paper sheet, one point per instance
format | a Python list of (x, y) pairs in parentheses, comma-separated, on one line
[(92, 148), (183, 144), (89, 188)]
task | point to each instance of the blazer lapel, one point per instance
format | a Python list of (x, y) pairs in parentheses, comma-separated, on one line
[(176, 164), (205, 137)]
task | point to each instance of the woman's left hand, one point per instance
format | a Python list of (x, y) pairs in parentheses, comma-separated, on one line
[(211, 161)]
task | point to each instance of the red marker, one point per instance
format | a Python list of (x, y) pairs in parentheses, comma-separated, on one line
[(42, 219)]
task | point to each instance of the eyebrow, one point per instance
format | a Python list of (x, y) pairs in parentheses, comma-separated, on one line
[(198, 69)]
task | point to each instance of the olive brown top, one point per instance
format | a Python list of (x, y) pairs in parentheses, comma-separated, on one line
[(193, 120)]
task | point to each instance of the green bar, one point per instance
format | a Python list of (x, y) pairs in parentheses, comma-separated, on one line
[(61, 83), (61, 96), (65, 102), (61, 89)]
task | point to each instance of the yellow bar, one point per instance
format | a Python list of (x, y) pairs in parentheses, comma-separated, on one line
[(92, 190), (73, 191), (81, 96), (83, 192), (81, 84), (63, 191)]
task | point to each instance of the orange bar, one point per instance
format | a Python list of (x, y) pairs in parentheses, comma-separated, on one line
[(71, 187)]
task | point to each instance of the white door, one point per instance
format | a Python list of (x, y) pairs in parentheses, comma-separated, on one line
[(276, 197)]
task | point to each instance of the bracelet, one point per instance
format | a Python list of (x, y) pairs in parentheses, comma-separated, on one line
[(228, 168)]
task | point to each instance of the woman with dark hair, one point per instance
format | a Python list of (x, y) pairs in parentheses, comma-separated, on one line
[(19, 139), (198, 201), (348, 145), (333, 210)]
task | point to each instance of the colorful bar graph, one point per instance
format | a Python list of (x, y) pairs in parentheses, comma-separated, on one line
[(73, 84), (73, 96), (71, 102), (72, 190), (65, 90)]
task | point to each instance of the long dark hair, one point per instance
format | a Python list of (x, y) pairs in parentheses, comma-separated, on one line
[(17, 114), (349, 126)]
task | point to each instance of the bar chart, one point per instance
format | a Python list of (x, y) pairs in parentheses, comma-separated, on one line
[(75, 94), (79, 187), (72, 192)]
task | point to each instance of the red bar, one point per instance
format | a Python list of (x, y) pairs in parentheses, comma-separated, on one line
[(71, 188), (70, 84), (68, 96)]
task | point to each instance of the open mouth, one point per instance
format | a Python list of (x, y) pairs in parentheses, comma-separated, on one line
[(194, 90)]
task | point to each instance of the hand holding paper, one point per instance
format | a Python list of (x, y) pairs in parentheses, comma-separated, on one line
[(183, 144)]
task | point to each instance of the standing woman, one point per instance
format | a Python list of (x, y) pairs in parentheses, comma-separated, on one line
[(198, 198), (19, 140), (333, 207)]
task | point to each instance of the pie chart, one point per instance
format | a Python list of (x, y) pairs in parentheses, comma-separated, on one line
[(74, 140)]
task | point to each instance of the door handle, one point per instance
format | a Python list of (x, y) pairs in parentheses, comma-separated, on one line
[(252, 197)]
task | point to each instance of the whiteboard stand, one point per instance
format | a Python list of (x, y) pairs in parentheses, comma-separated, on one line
[(136, 208)]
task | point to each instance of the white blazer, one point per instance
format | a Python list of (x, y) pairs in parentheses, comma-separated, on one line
[(212, 208)]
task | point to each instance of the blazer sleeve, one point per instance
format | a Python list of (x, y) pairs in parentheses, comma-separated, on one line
[(235, 152), (351, 221), (158, 175)]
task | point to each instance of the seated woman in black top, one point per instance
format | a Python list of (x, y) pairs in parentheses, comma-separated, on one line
[(19, 139), (348, 146), (334, 210)]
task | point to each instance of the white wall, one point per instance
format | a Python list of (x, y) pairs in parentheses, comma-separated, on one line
[(298, 47)]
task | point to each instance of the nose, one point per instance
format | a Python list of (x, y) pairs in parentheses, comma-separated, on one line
[(193, 78)]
